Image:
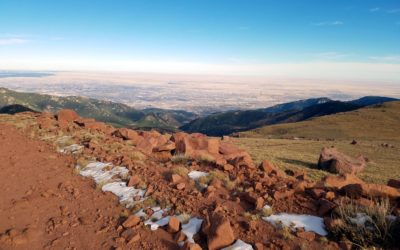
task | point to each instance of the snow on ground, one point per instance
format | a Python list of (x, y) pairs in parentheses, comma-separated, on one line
[(125, 194), (101, 176), (192, 228), (308, 222), (71, 149), (239, 245), (195, 175), (360, 219)]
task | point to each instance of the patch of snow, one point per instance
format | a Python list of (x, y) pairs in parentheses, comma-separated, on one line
[(71, 149), (308, 222), (391, 218), (192, 228), (267, 207), (239, 245), (97, 172), (195, 175), (154, 225), (360, 219), (124, 193)]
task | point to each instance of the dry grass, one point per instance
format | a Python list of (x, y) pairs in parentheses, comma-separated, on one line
[(216, 174), (370, 126), (300, 155), (182, 171), (377, 231), (180, 159), (205, 159)]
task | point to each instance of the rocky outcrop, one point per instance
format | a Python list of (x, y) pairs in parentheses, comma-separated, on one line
[(65, 117), (336, 162), (219, 233)]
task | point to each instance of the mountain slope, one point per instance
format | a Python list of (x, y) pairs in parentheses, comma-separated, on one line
[(114, 113), (378, 122), (236, 121)]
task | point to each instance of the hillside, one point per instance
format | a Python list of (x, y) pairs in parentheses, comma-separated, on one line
[(235, 121), (379, 122), (296, 146), (117, 114)]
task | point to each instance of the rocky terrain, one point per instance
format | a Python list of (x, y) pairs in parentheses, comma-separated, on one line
[(130, 189)]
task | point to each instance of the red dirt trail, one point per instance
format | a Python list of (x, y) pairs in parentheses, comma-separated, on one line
[(43, 204)]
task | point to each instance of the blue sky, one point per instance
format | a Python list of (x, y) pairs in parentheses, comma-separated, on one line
[(223, 32)]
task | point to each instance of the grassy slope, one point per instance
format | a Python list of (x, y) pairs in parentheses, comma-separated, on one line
[(371, 126)]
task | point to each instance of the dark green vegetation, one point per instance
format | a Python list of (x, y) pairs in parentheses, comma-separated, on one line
[(296, 146), (14, 109), (234, 121), (117, 114)]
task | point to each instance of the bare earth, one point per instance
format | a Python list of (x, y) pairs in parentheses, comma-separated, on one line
[(44, 204)]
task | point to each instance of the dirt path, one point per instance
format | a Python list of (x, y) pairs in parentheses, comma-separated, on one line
[(43, 204)]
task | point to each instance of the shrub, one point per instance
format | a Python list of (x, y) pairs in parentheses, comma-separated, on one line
[(205, 180), (367, 226)]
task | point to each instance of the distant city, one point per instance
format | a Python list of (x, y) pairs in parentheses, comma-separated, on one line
[(190, 93)]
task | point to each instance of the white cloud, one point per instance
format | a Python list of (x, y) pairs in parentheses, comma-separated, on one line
[(374, 9), (334, 23), (12, 41)]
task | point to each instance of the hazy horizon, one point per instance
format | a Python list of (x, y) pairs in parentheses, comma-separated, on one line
[(341, 40)]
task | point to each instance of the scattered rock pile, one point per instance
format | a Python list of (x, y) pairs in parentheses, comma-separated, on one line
[(216, 185)]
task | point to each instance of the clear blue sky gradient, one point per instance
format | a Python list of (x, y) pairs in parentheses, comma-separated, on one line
[(222, 31)]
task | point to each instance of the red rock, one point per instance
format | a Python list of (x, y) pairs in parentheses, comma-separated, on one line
[(337, 182), (330, 195), (173, 225), (169, 146), (66, 116), (394, 183), (353, 190), (228, 167), (259, 246), (300, 186), (254, 199), (336, 162), (190, 246), (131, 221), (220, 233), (267, 167), (180, 186), (258, 186), (279, 195), (180, 236), (325, 207), (316, 193), (134, 238), (133, 181), (309, 236), (381, 191), (175, 178), (128, 134)]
